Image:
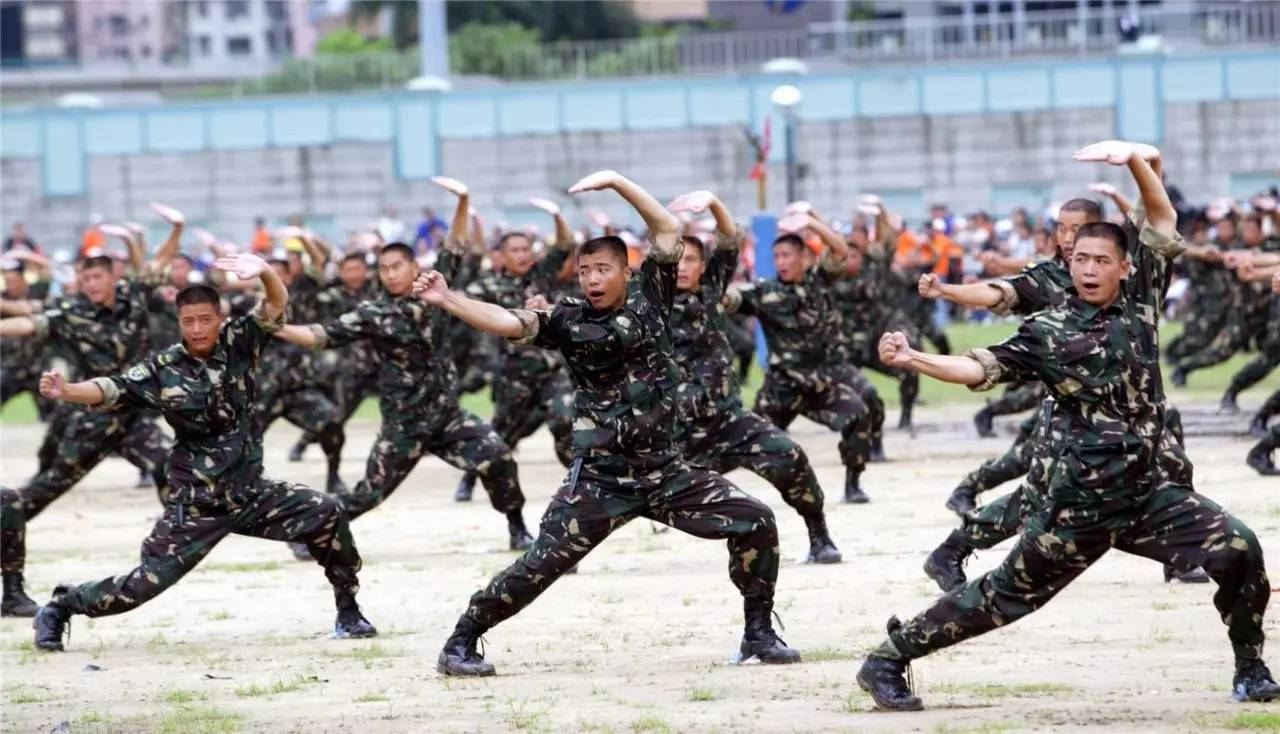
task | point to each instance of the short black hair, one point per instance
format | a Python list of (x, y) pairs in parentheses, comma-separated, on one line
[(15, 266), (1090, 208), (694, 244), (608, 243), (184, 256), (502, 241), (1106, 231), (792, 239), (400, 247), (354, 257), (196, 294), (98, 261), (281, 261)]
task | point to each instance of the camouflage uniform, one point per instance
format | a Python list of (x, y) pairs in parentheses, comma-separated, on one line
[(355, 374), (531, 386), (807, 374), (1210, 289), (627, 464), (289, 386), (24, 360), (419, 402), (1103, 486), (1010, 465), (98, 341), (215, 473), (475, 356), (1248, 310), (1017, 398), (13, 532), (1264, 322), (715, 430)]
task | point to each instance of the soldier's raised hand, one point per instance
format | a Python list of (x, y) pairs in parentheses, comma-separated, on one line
[(929, 286), (695, 202), (51, 384), (431, 287), (115, 230), (793, 223), (168, 213), (546, 205), (1105, 189), (895, 350), (245, 265), (1115, 152), (598, 181), (452, 185)]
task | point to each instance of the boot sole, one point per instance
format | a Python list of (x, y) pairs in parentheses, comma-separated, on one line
[(825, 560), (955, 507), (19, 613), (886, 704), (443, 669)]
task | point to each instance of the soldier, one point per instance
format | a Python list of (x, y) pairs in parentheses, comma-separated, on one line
[(103, 333), (1098, 355), (807, 374), (417, 389), (1260, 455), (716, 431), (24, 359), (1253, 269), (618, 348), (13, 555), (1209, 291), (1017, 398), (204, 387), (356, 374), (290, 387)]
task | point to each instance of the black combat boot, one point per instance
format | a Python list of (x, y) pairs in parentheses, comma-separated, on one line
[(350, 623), (300, 551), (877, 450), (821, 549), (459, 656), (299, 448), (945, 565), (888, 679), (1179, 377), (520, 540), (145, 480), (904, 419), (51, 622), (335, 485), (759, 641), (466, 488), (15, 602), (853, 493), (1260, 457), (1195, 575), (984, 421), (963, 499), (1258, 426), (1253, 682), (1228, 404)]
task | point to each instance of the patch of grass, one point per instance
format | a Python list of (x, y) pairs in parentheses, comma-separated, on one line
[(178, 695), (245, 567), (21, 695), (821, 654), (1254, 721), (997, 690), (855, 702), (279, 686), (1162, 606), (699, 693), (522, 716), (374, 651), (220, 615), (371, 698), (651, 724), (986, 727), (199, 720)]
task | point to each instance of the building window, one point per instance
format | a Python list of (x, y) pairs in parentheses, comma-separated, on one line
[(239, 46), (275, 9), (202, 9), (119, 25), (237, 9), (146, 51), (271, 43), (204, 46)]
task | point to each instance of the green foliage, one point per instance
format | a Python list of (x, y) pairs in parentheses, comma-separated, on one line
[(1254, 721), (348, 41), (563, 20), (480, 48)]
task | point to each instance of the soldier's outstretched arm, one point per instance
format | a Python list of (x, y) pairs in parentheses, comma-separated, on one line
[(173, 242), (460, 226), (972, 295), (137, 253), (17, 325), (487, 317), (1115, 196), (896, 351), (300, 335), (837, 249), (54, 386), (664, 227)]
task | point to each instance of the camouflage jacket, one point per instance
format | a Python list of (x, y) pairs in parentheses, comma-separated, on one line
[(622, 368), (289, 362), (98, 340), (700, 337), (1039, 286), (800, 320), (336, 299), (510, 291), (1102, 367), (24, 358), (209, 405)]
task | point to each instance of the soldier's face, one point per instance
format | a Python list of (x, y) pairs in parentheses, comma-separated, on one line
[(14, 284), (788, 259), (689, 272), (397, 272), (517, 254), (1251, 234), (1068, 224), (199, 324), (354, 274), (1097, 269), (603, 277), (853, 262), (98, 284), (1226, 230), (179, 271)]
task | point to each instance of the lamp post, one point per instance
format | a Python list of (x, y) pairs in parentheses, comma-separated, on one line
[(786, 98)]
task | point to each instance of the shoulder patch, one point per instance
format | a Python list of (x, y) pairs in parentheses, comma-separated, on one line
[(137, 372)]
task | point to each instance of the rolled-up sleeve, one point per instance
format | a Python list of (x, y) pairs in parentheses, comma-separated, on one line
[(111, 392), (730, 241), (992, 372), (831, 263), (1008, 297), (531, 325), (1169, 246), (268, 325), (43, 325)]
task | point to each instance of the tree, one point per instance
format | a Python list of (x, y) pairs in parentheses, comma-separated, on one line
[(483, 48), (347, 41), (564, 20)]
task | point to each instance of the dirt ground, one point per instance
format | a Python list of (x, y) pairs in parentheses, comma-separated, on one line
[(639, 641)]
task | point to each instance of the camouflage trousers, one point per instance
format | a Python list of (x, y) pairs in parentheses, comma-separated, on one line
[(1271, 407), (1010, 465), (1017, 398), (13, 532), (1171, 525), (522, 404), (87, 437), (350, 389), (1198, 332), (306, 407), (1257, 369), (588, 507), (185, 534), (736, 438), (13, 384), (460, 439), (1232, 338), (832, 395)]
